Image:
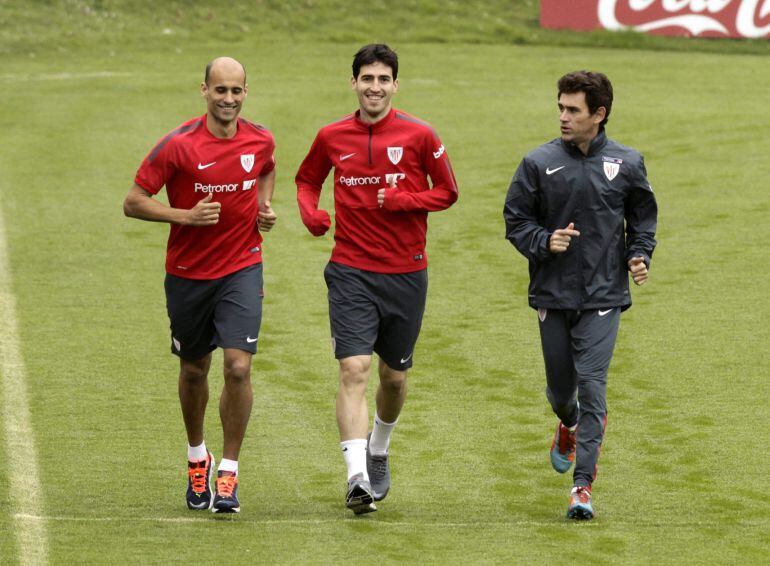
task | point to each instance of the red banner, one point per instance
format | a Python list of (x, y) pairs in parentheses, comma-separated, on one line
[(702, 18)]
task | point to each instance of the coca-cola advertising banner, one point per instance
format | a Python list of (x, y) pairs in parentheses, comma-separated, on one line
[(702, 18)]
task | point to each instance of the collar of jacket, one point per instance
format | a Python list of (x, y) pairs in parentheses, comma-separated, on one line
[(377, 125), (595, 147)]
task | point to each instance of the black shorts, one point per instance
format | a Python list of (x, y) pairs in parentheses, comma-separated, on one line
[(224, 312), (380, 312)]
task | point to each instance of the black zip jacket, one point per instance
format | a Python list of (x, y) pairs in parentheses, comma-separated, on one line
[(607, 195)]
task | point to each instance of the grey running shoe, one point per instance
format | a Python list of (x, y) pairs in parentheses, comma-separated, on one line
[(379, 473), (359, 498)]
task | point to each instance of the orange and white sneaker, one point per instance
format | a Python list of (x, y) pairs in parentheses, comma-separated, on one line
[(563, 448), (199, 472), (226, 498), (580, 507)]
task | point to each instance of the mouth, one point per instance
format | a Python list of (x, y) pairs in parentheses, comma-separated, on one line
[(374, 97)]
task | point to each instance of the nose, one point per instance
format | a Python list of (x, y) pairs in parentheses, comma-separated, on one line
[(563, 115), (229, 96)]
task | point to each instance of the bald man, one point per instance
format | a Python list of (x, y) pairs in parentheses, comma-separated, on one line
[(219, 174)]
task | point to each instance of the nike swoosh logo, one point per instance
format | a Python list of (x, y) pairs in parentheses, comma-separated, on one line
[(602, 313), (251, 340), (348, 156), (403, 361), (552, 171), (202, 166)]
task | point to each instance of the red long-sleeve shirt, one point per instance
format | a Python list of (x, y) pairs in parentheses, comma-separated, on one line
[(400, 150)]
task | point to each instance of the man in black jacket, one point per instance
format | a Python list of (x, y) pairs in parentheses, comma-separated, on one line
[(581, 210)]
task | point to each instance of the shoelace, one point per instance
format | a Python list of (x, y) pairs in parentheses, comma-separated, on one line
[(226, 485), (583, 494), (379, 464), (198, 479)]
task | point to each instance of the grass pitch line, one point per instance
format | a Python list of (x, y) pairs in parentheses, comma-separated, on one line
[(23, 477)]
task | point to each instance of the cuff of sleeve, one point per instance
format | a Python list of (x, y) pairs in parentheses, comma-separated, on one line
[(393, 200)]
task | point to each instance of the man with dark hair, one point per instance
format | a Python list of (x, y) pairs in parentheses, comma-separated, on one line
[(581, 210), (377, 276), (219, 173)]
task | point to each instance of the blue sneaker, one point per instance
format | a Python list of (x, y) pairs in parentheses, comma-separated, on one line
[(199, 495), (580, 507), (563, 449), (226, 498)]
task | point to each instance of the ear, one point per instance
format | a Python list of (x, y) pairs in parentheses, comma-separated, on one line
[(204, 89), (353, 83), (246, 89), (600, 114), (395, 86)]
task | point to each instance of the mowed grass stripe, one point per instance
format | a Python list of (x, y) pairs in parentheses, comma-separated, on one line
[(202, 518), (23, 474)]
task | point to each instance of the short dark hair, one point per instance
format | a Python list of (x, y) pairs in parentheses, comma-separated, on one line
[(211, 64), (596, 86), (375, 53)]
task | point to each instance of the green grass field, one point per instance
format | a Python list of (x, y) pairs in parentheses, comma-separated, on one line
[(682, 475)]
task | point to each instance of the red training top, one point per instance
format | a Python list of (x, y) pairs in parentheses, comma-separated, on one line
[(400, 150), (192, 162)]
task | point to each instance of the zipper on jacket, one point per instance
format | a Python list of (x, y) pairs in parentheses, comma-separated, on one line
[(581, 286), (370, 146)]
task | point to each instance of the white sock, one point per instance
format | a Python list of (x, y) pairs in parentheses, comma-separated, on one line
[(226, 465), (196, 453), (354, 452), (380, 439), (573, 428)]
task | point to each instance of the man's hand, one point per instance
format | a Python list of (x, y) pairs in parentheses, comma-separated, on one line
[(559, 241), (266, 218), (319, 223), (382, 193), (638, 270), (205, 213)]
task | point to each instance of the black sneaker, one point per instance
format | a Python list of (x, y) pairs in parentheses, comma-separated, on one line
[(226, 498), (199, 474), (379, 473), (359, 498)]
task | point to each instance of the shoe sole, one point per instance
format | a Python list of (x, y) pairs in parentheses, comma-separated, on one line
[(361, 503), (580, 513), (226, 510), (192, 506)]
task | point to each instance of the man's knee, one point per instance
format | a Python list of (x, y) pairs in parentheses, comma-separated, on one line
[(354, 371), (194, 372), (238, 368), (392, 381)]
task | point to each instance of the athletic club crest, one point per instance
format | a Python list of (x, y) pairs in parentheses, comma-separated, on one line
[(611, 167), (247, 162), (395, 154)]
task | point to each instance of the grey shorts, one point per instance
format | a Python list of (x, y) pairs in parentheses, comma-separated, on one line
[(380, 312), (224, 312)]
